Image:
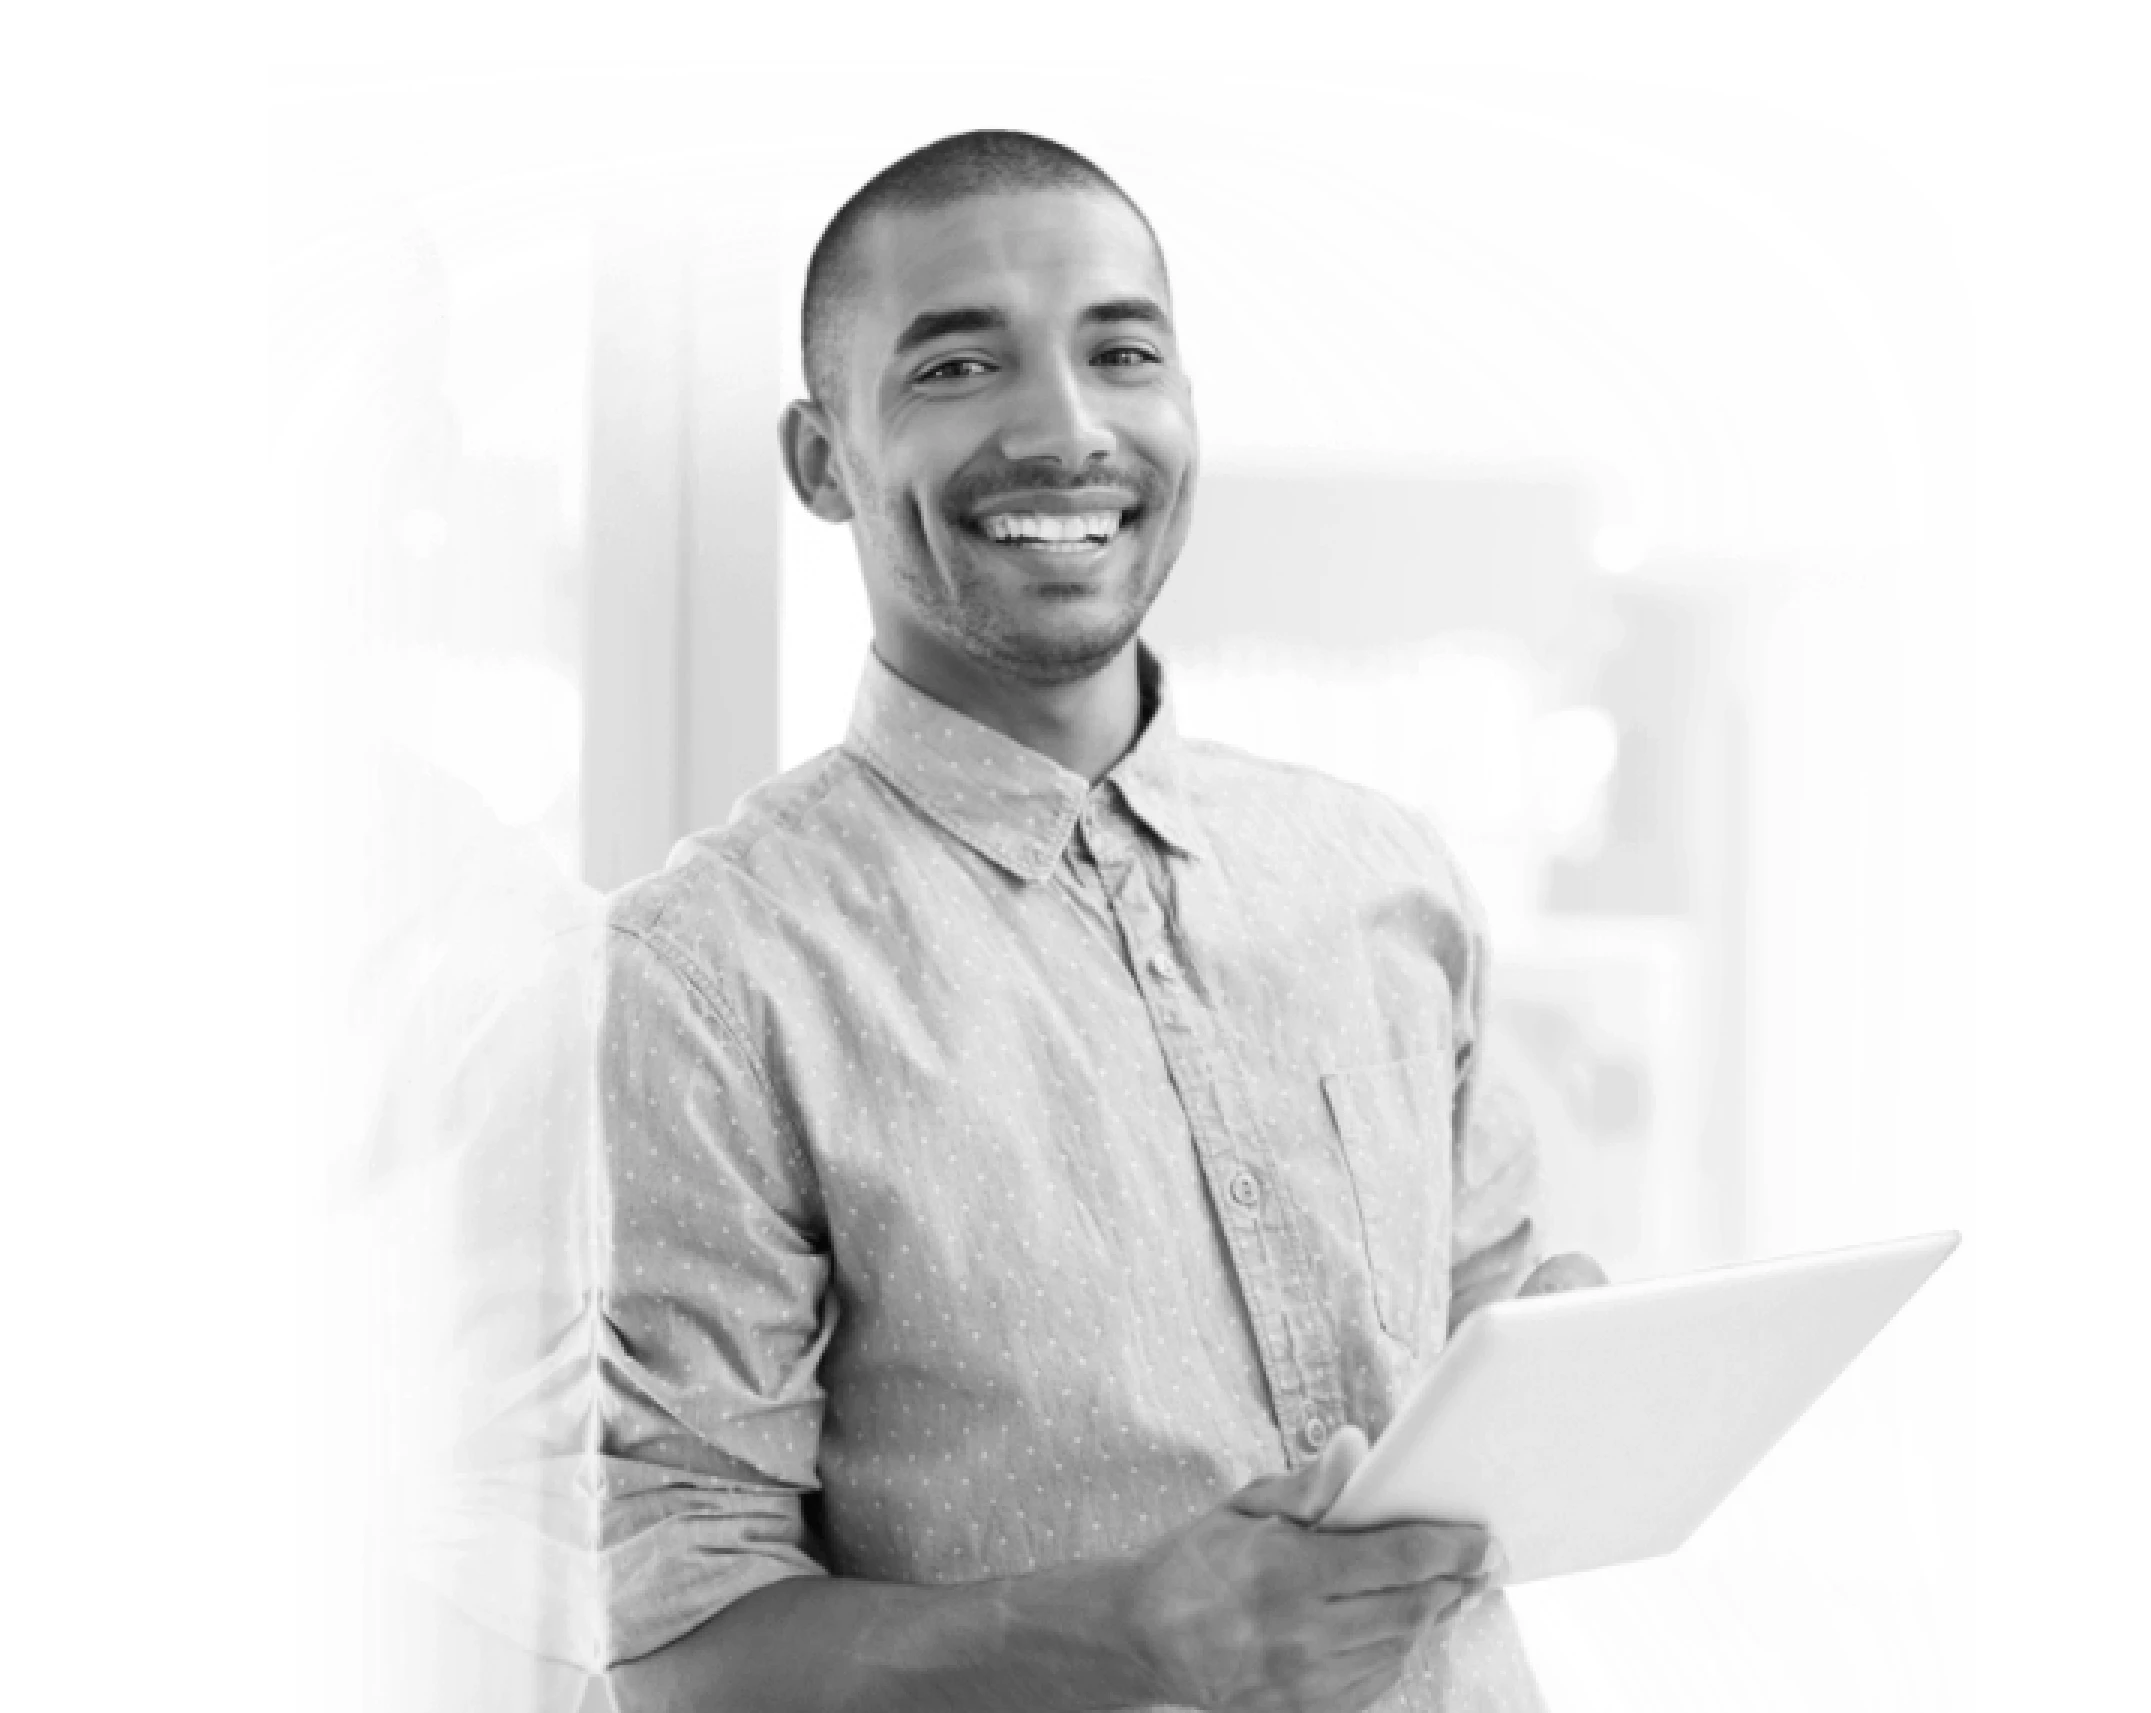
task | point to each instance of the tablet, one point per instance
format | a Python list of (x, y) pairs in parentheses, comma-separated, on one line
[(1598, 1426)]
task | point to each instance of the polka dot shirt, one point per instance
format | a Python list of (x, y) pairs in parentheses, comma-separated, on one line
[(1001, 1169)]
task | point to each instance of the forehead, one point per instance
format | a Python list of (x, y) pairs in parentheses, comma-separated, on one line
[(1029, 253)]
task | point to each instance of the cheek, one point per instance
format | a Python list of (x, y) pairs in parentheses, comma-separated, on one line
[(1175, 537), (920, 538), (1163, 436), (912, 509), (897, 513), (923, 526)]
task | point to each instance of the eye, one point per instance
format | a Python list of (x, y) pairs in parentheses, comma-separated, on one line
[(958, 369), (1136, 357)]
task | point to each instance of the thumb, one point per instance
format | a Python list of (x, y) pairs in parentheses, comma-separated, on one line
[(1570, 1272), (1305, 1494)]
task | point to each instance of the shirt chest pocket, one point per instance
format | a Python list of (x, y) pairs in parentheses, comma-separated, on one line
[(1393, 1128)]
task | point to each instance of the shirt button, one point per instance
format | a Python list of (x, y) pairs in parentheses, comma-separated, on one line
[(1244, 1189), (1315, 1433), (1163, 967)]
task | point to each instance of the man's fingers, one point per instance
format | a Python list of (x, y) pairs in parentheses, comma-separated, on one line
[(1402, 1555), (1570, 1272), (1346, 1450), (1306, 1494), (1366, 1620)]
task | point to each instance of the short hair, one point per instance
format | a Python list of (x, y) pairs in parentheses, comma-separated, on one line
[(971, 163)]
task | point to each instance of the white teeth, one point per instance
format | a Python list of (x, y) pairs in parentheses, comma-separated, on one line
[(1083, 530)]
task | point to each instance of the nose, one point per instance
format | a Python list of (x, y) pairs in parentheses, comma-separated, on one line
[(1057, 418)]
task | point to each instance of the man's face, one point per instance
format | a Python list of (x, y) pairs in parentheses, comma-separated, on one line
[(1018, 437)]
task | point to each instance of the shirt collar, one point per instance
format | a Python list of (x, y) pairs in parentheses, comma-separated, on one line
[(1006, 801), (1152, 776)]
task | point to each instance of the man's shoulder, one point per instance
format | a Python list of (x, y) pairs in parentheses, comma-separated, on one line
[(1236, 789), (780, 842), (1226, 766)]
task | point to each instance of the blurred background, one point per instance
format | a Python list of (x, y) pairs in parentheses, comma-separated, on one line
[(1636, 457)]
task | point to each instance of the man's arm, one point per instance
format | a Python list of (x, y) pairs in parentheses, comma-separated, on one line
[(713, 1278), (1058, 1641), (1494, 1172), (715, 1281), (1490, 1276), (1494, 1228), (1244, 1608), (1501, 1150)]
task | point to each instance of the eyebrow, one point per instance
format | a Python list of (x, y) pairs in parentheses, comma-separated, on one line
[(939, 323), (935, 324), (1127, 309)]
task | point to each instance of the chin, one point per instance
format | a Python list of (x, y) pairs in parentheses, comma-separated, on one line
[(1057, 655), (1033, 629)]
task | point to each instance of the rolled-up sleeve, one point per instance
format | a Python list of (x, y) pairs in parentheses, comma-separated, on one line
[(714, 1271), (1494, 1227), (1494, 1239)]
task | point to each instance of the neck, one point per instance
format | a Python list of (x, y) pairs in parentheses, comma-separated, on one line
[(1086, 725)]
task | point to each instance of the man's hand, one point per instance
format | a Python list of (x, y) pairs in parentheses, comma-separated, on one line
[(1570, 1272), (1250, 1610)]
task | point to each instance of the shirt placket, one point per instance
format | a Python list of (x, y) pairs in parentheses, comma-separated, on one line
[(1268, 1252)]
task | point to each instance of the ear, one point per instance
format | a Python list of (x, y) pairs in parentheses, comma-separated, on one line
[(808, 440)]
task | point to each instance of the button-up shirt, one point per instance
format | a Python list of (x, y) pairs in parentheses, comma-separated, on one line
[(1002, 1169)]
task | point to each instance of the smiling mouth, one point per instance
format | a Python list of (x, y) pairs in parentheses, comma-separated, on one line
[(1047, 533)]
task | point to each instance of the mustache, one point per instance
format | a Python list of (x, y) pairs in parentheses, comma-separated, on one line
[(967, 492)]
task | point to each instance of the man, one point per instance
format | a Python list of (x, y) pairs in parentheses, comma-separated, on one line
[(1040, 1148)]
